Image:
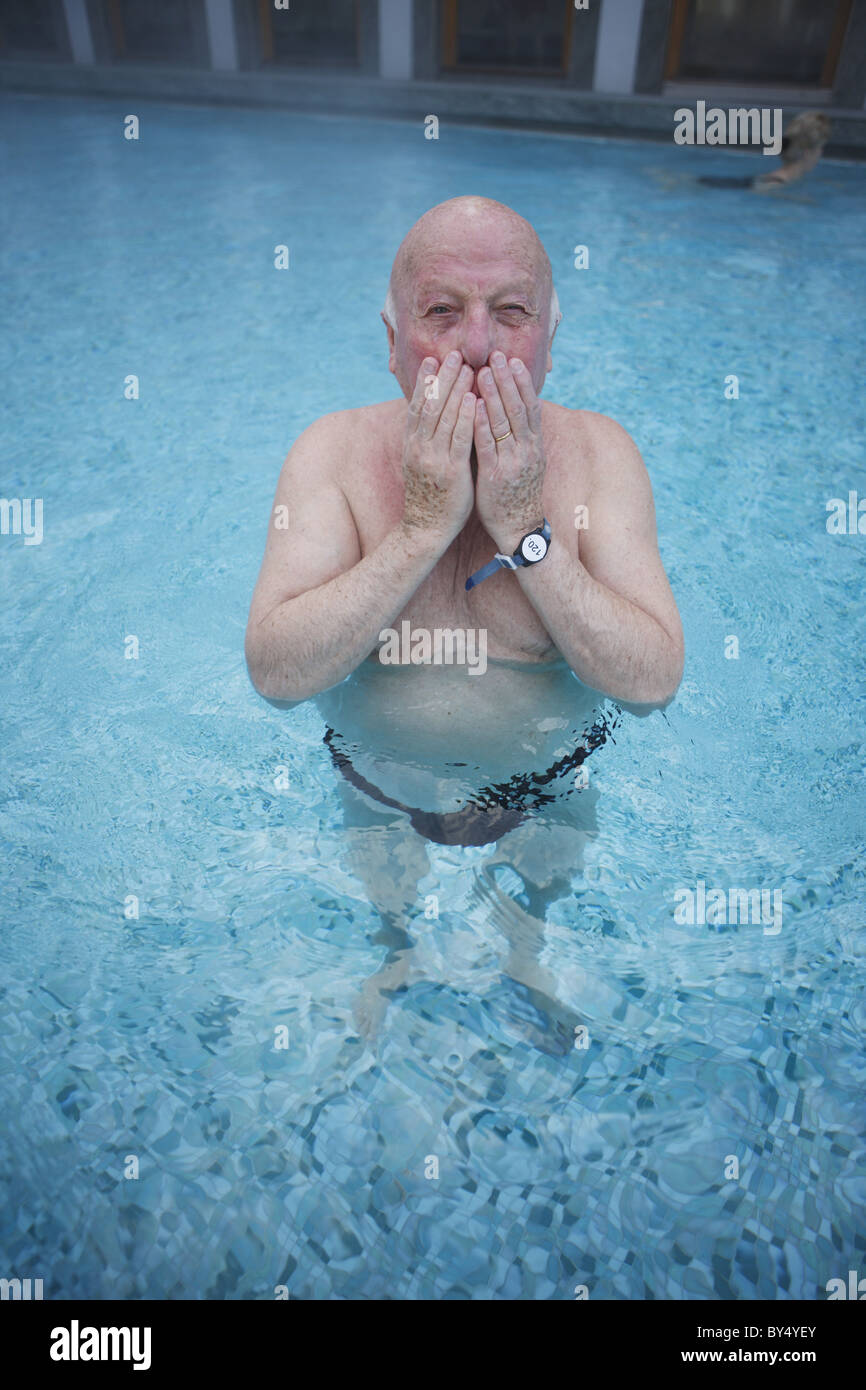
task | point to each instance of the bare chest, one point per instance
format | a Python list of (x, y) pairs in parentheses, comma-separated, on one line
[(513, 628)]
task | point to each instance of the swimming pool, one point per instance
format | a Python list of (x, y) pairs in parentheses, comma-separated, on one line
[(149, 784)]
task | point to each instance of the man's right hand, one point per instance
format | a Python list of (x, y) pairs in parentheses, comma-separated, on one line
[(320, 604), (437, 478)]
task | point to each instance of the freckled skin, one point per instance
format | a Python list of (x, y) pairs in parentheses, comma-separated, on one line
[(481, 247), (472, 276), (393, 505)]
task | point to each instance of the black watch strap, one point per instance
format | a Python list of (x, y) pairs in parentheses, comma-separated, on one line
[(532, 548)]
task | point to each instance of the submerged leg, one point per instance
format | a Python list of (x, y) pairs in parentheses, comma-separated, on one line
[(546, 856), (387, 842), (389, 859)]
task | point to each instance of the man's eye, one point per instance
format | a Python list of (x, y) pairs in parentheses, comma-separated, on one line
[(519, 308), (443, 308)]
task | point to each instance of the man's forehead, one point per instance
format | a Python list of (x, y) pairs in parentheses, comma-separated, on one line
[(473, 273)]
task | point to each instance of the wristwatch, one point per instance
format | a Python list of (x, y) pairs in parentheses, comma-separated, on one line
[(532, 548)]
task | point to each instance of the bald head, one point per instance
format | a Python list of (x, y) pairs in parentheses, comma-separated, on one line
[(471, 230)]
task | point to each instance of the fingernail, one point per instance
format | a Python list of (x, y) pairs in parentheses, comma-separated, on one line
[(498, 359), (453, 358), (516, 365)]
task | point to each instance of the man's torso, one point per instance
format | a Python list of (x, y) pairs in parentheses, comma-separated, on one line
[(369, 472), (422, 727)]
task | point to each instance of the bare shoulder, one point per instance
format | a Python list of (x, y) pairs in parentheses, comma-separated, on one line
[(605, 452), (594, 432), (336, 439), (354, 423)]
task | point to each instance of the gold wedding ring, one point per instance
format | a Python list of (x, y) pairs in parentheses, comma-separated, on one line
[(501, 437)]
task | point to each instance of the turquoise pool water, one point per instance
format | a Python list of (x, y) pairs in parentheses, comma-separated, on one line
[(154, 1036)]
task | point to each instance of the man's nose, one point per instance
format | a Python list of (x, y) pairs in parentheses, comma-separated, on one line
[(476, 339)]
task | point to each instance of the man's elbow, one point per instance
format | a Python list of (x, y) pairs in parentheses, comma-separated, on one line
[(661, 690), (672, 679), (277, 689), (644, 707), (280, 696)]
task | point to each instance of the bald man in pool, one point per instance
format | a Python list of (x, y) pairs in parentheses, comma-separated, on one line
[(522, 530)]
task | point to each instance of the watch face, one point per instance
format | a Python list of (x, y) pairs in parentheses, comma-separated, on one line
[(533, 548)]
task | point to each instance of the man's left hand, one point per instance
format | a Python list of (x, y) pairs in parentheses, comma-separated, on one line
[(510, 472)]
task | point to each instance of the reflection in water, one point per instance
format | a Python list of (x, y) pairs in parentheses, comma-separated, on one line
[(427, 754)]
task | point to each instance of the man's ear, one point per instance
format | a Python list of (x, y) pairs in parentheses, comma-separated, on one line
[(549, 367), (391, 344)]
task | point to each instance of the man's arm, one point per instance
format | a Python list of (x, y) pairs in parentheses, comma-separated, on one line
[(318, 607), (601, 593)]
